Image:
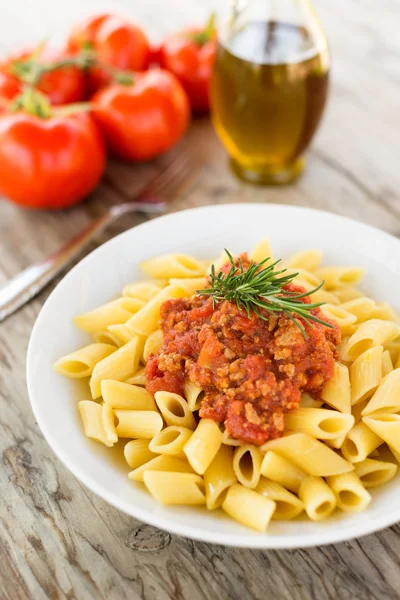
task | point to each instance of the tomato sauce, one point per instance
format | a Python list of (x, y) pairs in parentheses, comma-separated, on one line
[(252, 370)]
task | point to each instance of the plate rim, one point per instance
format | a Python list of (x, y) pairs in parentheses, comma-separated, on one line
[(250, 540)]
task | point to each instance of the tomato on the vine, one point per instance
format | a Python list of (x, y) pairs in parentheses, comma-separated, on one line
[(9, 88), (190, 56), (49, 162), (143, 119), (115, 41)]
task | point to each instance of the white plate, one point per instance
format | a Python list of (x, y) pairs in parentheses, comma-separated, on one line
[(202, 232)]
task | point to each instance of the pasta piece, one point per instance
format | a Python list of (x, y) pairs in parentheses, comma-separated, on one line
[(93, 424), (387, 427), (173, 265), (394, 350), (387, 396), (175, 488), (203, 445), (337, 277), (306, 259), (318, 499), (190, 285), (337, 391), (309, 454), (125, 396), (144, 290), (82, 362), (175, 410), (118, 366), (107, 415), (307, 402), (219, 477), (348, 293), (319, 422), (357, 409), (247, 461), (261, 251), (375, 472), (143, 424), (374, 332), (366, 374), (342, 317), (229, 441), (153, 344), (137, 453), (336, 442), (171, 441), (350, 493), (112, 313), (121, 332), (310, 280), (288, 506), (322, 295), (161, 463), (248, 507), (138, 378), (362, 308), (283, 471), (387, 365), (193, 395), (359, 443), (106, 337), (145, 321), (384, 311)]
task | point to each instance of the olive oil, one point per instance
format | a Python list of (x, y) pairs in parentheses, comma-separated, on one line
[(269, 90)]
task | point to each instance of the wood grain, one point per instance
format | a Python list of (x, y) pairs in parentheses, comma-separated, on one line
[(58, 540)]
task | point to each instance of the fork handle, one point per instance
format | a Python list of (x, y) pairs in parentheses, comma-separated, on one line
[(27, 284)]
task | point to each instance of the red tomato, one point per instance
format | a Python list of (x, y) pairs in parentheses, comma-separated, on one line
[(64, 85), (116, 41), (144, 119), (191, 60), (49, 163), (9, 88)]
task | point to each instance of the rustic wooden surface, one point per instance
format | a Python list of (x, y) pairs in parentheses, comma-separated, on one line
[(58, 540)]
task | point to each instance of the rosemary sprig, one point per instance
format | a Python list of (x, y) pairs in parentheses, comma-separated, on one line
[(258, 288)]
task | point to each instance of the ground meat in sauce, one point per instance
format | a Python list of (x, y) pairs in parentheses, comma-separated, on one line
[(252, 370)]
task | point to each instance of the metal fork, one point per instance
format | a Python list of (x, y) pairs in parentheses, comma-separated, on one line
[(27, 284)]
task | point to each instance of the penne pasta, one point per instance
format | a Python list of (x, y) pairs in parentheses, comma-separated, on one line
[(173, 265), (346, 294), (384, 311), (175, 410), (175, 488), (153, 344), (82, 362), (283, 471), (193, 395), (319, 422), (125, 396), (337, 392), (247, 461), (359, 443), (261, 251), (121, 332), (362, 308), (218, 477), (107, 415), (366, 374), (394, 350), (143, 424), (229, 441), (318, 499), (161, 463), (137, 453), (248, 507), (118, 366), (350, 493), (387, 365), (375, 472), (314, 457), (342, 317), (337, 277), (288, 506), (306, 259), (307, 402), (374, 332), (144, 290), (145, 321), (106, 337), (203, 445), (387, 427), (112, 313), (138, 378), (387, 396), (190, 285), (357, 409), (93, 424), (171, 441)]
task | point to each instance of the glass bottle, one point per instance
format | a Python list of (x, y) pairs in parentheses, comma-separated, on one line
[(269, 87)]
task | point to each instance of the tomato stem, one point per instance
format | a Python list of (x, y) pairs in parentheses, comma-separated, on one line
[(207, 34)]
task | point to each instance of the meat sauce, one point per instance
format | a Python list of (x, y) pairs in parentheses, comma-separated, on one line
[(252, 370)]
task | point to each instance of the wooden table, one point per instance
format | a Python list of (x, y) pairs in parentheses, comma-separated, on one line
[(58, 540)]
